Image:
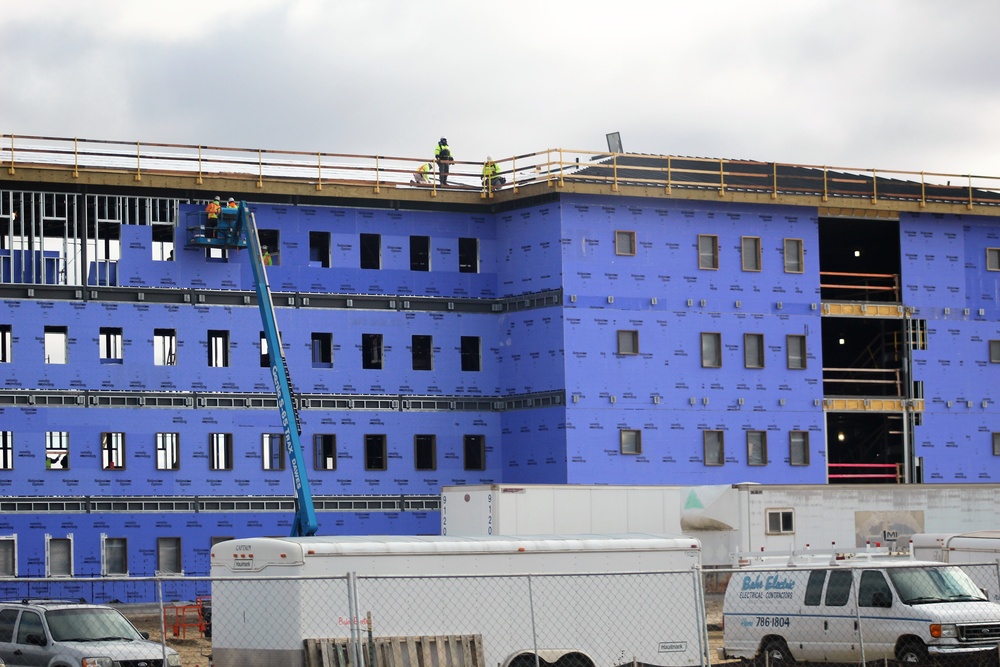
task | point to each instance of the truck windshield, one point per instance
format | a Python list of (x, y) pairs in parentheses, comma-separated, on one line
[(920, 585), (89, 625)]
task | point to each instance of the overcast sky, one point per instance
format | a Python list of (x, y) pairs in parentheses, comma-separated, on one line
[(893, 84)]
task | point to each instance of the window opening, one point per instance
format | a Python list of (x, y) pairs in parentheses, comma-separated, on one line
[(57, 450), (164, 347), (218, 348), (371, 251), (630, 441), (322, 350), (56, 350), (468, 255), (324, 451), (420, 253), (475, 452), (371, 351), (628, 342), (220, 451), (750, 253), (425, 452), (708, 251), (471, 353), (319, 249), (421, 349), (711, 350), (375, 454), (168, 451), (715, 454), (625, 243), (753, 350), (112, 451)]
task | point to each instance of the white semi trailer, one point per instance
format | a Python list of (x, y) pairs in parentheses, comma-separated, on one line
[(581, 600)]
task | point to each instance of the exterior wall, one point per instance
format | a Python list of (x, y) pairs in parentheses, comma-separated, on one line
[(650, 292), (944, 268)]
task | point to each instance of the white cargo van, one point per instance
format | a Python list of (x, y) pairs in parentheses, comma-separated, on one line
[(854, 610)]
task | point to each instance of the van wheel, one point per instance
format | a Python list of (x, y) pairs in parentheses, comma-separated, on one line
[(913, 653), (774, 653)]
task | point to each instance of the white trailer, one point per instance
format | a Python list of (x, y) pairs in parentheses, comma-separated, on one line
[(978, 552), (727, 518), (595, 600)]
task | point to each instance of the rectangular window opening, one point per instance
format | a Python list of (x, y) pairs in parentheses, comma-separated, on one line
[(715, 454), (708, 251), (420, 253), (57, 450), (371, 351), (425, 452), (111, 345), (324, 451), (750, 253), (422, 352), (56, 345), (375, 452), (273, 451), (628, 342), (630, 441), (168, 451), (59, 562), (794, 260), (468, 255), (475, 452), (711, 350), (796, 346), (625, 243), (168, 555), (798, 445), (753, 350), (112, 451), (218, 348), (220, 455), (471, 353), (319, 249), (322, 349), (757, 448), (115, 556), (371, 251), (6, 343), (164, 347), (993, 259)]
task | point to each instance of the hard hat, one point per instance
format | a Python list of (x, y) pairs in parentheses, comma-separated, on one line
[(216, 198), (231, 199), (443, 141), (489, 158)]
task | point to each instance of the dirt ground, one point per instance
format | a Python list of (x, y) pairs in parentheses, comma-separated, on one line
[(196, 651)]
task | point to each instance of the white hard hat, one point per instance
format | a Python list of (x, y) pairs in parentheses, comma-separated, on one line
[(489, 158)]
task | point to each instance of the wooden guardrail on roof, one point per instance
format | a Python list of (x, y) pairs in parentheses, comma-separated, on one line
[(556, 167)]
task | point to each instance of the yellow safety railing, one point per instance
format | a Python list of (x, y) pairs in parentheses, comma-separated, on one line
[(556, 167)]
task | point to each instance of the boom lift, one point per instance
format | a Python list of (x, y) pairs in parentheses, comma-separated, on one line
[(236, 228)]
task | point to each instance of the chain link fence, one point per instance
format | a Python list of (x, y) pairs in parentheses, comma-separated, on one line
[(461, 621), (848, 613)]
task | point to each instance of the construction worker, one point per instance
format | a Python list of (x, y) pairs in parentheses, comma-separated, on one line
[(491, 174), (232, 203), (442, 155), (422, 175), (213, 210)]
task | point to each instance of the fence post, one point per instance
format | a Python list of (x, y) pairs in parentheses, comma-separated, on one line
[(534, 634), (163, 621)]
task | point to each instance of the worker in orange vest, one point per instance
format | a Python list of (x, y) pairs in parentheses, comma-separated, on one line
[(213, 210)]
